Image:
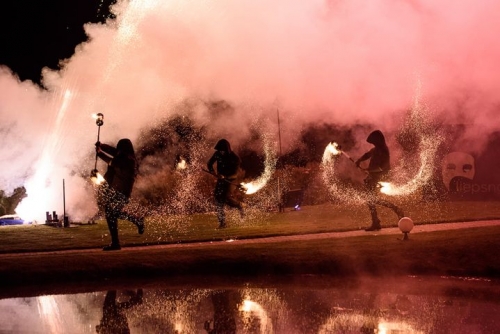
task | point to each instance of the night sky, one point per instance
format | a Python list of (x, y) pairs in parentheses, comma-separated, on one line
[(35, 34)]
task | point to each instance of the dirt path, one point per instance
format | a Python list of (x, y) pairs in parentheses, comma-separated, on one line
[(385, 231)]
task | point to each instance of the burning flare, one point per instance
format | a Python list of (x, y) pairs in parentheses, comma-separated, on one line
[(96, 177), (331, 149), (253, 186), (386, 188), (181, 164)]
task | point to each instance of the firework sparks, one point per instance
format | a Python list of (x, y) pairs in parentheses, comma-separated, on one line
[(428, 147), (38, 185), (269, 166), (330, 178)]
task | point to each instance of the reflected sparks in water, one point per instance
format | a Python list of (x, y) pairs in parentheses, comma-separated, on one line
[(250, 311), (49, 311), (376, 307)]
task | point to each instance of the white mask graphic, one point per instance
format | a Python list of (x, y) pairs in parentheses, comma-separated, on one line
[(457, 164)]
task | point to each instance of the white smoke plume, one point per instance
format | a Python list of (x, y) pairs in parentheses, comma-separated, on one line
[(336, 61)]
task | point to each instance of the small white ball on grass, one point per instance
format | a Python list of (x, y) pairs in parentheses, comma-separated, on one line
[(405, 224)]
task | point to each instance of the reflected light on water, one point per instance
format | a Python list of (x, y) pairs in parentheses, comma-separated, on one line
[(252, 310), (387, 309), (365, 323), (396, 327), (48, 309)]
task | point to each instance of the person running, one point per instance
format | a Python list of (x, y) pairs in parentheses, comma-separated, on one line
[(114, 193), (378, 170), (228, 165)]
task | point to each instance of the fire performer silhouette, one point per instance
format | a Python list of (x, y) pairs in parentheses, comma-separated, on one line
[(114, 319), (114, 193), (378, 170), (228, 165)]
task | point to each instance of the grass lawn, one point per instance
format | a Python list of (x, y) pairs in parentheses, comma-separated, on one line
[(468, 252), (179, 229)]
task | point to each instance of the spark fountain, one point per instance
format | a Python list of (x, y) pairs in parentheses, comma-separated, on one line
[(419, 125), (336, 189), (269, 167), (37, 202)]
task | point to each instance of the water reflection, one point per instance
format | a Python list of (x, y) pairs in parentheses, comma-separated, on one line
[(415, 306), (225, 305), (114, 319)]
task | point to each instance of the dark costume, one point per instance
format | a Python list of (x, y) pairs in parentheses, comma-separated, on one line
[(114, 320), (115, 193), (378, 170), (228, 164), (225, 313)]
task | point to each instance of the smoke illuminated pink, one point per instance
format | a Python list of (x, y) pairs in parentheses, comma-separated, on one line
[(345, 62)]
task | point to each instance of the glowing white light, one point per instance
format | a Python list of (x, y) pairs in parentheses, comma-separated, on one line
[(37, 187), (48, 309), (386, 327), (252, 309), (269, 167), (97, 179), (178, 327), (248, 306), (331, 149), (252, 187), (182, 164), (386, 188)]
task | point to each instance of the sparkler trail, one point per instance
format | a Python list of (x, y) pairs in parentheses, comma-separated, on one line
[(269, 167), (428, 142), (428, 148), (419, 125), (336, 188)]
